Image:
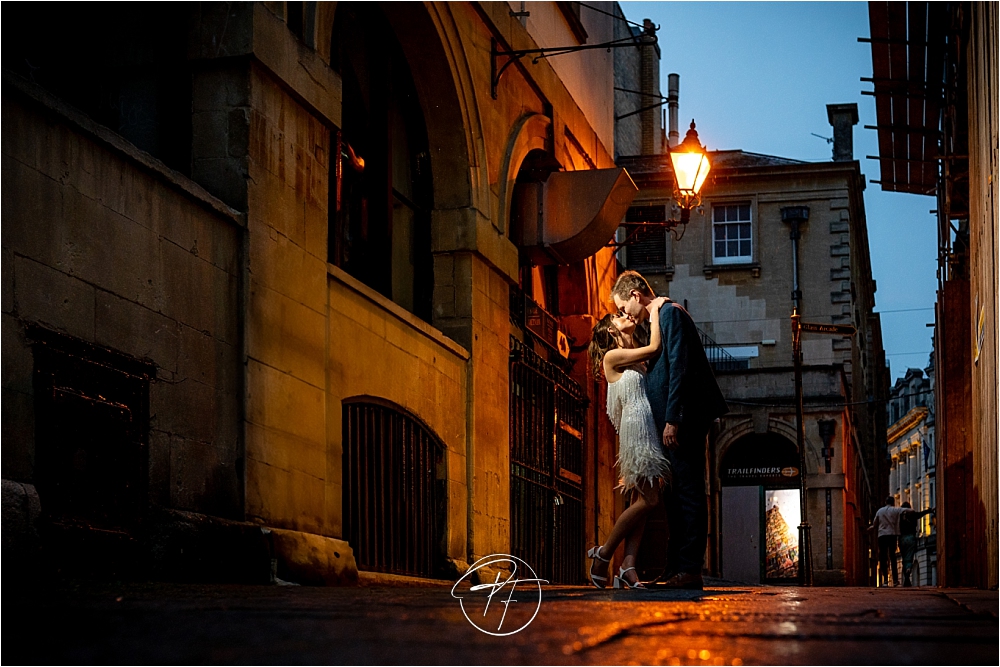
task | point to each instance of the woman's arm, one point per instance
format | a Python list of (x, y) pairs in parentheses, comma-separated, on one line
[(620, 358)]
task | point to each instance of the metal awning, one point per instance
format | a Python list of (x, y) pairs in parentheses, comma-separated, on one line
[(573, 214), (908, 43)]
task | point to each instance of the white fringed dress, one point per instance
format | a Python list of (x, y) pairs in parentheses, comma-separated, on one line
[(640, 454)]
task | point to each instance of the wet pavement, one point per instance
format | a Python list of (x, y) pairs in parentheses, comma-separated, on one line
[(726, 625)]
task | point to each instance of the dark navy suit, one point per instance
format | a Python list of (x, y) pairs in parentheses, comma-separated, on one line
[(682, 390)]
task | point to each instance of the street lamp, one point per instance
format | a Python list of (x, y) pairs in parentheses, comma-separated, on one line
[(690, 165)]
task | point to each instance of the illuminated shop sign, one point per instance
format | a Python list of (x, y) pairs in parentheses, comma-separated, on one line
[(760, 460), (760, 475)]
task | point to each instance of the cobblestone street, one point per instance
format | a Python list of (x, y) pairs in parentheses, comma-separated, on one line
[(728, 625)]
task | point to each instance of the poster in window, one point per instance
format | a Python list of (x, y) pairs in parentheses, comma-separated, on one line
[(782, 517)]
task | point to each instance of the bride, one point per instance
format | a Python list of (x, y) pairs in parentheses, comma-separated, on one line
[(641, 462)]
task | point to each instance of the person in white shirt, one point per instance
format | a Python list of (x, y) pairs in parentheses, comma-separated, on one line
[(886, 521)]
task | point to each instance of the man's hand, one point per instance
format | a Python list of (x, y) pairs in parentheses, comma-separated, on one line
[(670, 436)]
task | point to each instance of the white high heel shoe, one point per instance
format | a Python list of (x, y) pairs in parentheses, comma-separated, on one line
[(595, 554), (621, 582)]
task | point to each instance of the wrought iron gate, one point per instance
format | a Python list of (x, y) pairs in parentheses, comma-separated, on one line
[(547, 411), (393, 506)]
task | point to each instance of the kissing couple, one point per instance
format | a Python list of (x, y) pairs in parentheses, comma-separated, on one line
[(662, 399)]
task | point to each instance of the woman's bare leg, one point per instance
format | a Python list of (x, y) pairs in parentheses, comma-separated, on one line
[(632, 518), (634, 538)]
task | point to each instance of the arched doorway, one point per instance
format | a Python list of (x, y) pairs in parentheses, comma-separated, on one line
[(760, 478)]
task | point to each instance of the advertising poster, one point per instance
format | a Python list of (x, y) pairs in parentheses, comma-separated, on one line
[(782, 517)]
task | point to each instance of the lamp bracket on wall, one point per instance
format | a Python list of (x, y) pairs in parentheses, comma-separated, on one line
[(662, 100), (497, 52)]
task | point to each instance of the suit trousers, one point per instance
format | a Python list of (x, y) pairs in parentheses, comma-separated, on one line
[(687, 506)]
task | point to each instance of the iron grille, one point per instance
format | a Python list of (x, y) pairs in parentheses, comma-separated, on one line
[(393, 506), (547, 413)]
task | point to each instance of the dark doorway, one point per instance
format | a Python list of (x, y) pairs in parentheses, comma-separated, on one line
[(91, 453), (92, 426)]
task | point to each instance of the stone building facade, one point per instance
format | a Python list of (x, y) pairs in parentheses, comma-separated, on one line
[(938, 132), (912, 473), (276, 255), (734, 268)]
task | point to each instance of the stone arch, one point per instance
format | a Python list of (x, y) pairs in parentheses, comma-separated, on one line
[(725, 440), (531, 132), (733, 434), (440, 66), (782, 427), (763, 450)]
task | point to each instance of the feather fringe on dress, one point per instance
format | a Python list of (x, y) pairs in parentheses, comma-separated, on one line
[(640, 454)]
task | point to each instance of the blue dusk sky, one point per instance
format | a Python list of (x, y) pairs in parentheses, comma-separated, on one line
[(757, 76)]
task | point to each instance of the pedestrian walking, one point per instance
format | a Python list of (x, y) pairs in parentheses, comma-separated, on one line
[(886, 522), (908, 522)]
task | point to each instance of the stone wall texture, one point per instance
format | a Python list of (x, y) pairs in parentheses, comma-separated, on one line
[(221, 280), (101, 248)]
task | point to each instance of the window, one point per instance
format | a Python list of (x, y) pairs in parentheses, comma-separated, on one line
[(732, 243), (381, 192)]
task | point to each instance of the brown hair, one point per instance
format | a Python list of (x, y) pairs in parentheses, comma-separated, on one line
[(628, 281), (602, 339)]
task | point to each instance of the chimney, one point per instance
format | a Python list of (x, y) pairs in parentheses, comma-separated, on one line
[(673, 93), (843, 118), (649, 85)]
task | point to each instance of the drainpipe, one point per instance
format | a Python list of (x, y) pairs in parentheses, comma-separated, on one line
[(794, 216), (242, 355)]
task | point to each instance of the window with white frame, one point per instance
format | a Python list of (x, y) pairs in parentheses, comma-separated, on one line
[(732, 241)]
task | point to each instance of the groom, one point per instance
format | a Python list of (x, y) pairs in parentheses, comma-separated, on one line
[(685, 400)]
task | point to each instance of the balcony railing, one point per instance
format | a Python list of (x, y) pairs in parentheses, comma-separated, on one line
[(719, 358)]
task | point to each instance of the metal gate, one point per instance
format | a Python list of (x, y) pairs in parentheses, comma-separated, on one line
[(393, 506), (547, 411)]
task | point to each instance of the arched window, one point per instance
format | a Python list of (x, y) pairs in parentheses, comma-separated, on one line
[(381, 189), (394, 495)]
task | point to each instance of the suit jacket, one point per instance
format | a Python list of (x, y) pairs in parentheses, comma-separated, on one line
[(680, 382)]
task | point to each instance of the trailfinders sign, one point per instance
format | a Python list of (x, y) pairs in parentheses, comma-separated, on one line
[(760, 460), (760, 475)]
